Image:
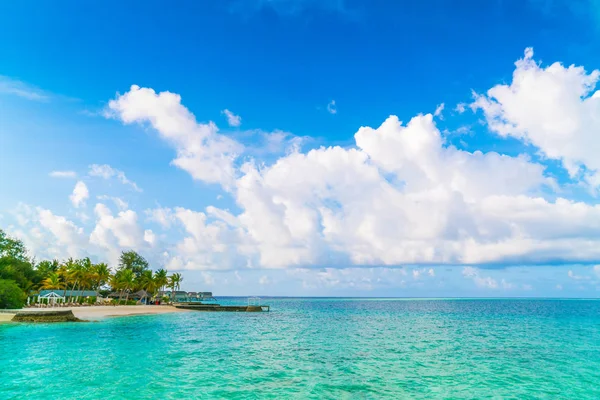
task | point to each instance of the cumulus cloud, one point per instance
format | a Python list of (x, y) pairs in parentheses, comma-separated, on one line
[(105, 171), (63, 174), (54, 236), (232, 119), (400, 195), (64, 230), (201, 151), (80, 194), (555, 108), (162, 216), (112, 231)]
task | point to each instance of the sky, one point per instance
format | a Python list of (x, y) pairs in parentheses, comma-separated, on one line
[(309, 148)]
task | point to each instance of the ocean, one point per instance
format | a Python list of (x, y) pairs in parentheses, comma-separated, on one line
[(316, 349)]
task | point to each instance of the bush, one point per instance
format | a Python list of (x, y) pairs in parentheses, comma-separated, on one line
[(11, 295)]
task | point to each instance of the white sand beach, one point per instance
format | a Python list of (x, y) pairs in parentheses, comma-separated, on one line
[(99, 312), (6, 317), (95, 313)]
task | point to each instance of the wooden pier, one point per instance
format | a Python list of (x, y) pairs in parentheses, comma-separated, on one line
[(219, 308)]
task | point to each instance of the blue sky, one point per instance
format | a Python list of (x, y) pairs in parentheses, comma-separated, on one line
[(492, 194)]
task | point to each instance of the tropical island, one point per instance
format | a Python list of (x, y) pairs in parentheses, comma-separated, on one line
[(84, 289), (25, 281)]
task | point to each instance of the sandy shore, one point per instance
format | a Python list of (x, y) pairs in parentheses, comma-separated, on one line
[(99, 312), (95, 313), (6, 317)]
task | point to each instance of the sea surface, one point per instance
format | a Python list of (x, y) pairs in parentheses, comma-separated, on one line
[(316, 349)]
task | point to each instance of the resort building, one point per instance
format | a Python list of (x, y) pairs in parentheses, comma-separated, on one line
[(67, 293), (62, 296), (140, 295), (182, 296)]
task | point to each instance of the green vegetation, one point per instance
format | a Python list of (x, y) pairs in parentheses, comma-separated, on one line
[(11, 295), (21, 276)]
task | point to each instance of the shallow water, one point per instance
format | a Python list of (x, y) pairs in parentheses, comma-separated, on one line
[(316, 348)]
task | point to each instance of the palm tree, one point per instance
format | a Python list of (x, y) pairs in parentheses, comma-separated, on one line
[(116, 284), (161, 279), (45, 267), (87, 274), (174, 282), (52, 281), (74, 272), (146, 283), (127, 280), (63, 273), (101, 275)]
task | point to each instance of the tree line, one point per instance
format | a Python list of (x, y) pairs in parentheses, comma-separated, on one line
[(22, 276)]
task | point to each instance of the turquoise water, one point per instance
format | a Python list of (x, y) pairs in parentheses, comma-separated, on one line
[(316, 348)]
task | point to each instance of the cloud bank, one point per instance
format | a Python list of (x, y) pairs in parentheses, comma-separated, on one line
[(400, 195)]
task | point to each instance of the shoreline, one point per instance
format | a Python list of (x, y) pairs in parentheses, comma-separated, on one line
[(100, 312), (96, 313)]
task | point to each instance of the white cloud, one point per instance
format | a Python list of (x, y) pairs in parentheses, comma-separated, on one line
[(63, 174), (438, 111), (576, 277), (264, 280), (201, 151), (119, 202), (116, 233), (365, 279), (47, 235), (422, 272), (483, 282), (21, 89), (80, 194), (149, 237), (331, 107), (275, 143), (162, 216), (105, 171), (554, 108), (209, 279), (400, 196), (232, 119)]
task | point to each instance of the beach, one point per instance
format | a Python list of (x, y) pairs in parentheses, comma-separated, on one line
[(95, 313), (99, 312), (6, 317)]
